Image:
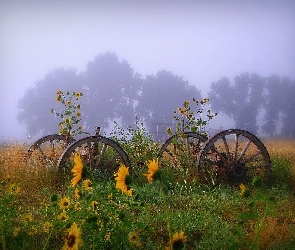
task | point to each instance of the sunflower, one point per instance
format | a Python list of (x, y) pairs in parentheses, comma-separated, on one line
[(244, 191), (64, 203), (16, 231), (14, 189), (87, 185), (134, 239), (77, 193), (178, 241), (47, 227), (123, 180), (153, 170), (27, 218), (78, 114), (73, 238), (63, 216), (58, 98), (77, 206), (77, 170)]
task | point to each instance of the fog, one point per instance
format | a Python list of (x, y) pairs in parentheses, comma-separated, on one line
[(199, 40)]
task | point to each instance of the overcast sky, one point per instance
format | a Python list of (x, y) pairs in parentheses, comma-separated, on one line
[(199, 40)]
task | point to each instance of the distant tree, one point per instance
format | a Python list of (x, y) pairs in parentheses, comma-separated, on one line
[(273, 103), (112, 91), (161, 94), (241, 100), (279, 105), (34, 108)]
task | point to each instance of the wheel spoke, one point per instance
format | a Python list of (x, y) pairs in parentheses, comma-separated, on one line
[(236, 147), (252, 157), (226, 147), (244, 150)]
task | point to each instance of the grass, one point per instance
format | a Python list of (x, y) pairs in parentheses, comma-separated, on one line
[(211, 218)]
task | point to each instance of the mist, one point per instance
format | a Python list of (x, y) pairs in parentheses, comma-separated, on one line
[(201, 41)]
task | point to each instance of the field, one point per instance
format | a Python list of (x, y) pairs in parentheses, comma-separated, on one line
[(39, 209)]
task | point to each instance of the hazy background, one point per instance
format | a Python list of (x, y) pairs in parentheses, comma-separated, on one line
[(199, 40)]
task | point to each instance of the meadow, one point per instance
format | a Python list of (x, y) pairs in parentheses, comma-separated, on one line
[(41, 209)]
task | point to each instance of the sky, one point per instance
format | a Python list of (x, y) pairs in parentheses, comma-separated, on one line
[(199, 40)]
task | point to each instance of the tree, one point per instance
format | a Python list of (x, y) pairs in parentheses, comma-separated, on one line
[(161, 95), (112, 91), (34, 107), (279, 105), (240, 100), (273, 105)]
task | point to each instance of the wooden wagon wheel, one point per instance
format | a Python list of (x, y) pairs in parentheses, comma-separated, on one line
[(235, 156), (47, 149), (99, 154), (181, 150)]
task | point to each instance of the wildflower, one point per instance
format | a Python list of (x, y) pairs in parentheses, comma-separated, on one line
[(78, 106), (80, 128), (134, 239), (58, 98), (169, 131), (16, 231), (94, 205), (14, 189), (63, 216), (33, 231), (244, 191), (153, 171), (77, 170), (47, 227), (68, 102), (108, 236), (123, 180), (87, 185), (186, 104), (59, 92), (178, 241), (27, 218), (73, 238), (64, 203), (77, 206), (77, 193)]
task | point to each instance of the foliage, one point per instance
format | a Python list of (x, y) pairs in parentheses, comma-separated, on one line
[(71, 116), (39, 213), (190, 120), (240, 100), (160, 94)]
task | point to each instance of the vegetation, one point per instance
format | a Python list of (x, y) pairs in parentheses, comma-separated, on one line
[(37, 211)]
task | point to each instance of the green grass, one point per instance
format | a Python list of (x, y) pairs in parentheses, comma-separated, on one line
[(210, 217)]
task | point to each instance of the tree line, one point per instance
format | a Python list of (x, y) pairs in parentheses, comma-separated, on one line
[(113, 91)]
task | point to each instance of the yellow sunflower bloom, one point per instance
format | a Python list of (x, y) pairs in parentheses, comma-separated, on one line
[(78, 114), (58, 98), (16, 231), (64, 203), (178, 241), (77, 170), (134, 239), (123, 180), (63, 217), (87, 185), (153, 168), (77, 193), (73, 238), (47, 227), (244, 191), (14, 189)]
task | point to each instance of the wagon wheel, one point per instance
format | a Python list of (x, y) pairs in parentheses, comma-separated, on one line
[(100, 155), (47, 149), (181, 150), (233, 156)]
